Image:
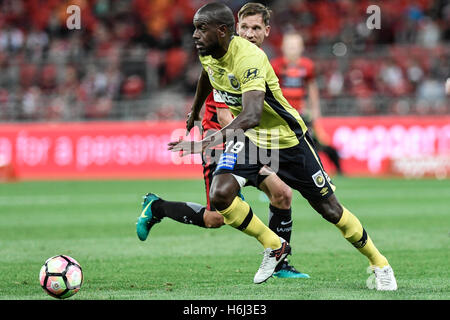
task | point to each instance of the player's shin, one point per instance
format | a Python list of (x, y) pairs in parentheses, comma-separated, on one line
[(239, 215), (280, 222), (353, 231), (184, 212)]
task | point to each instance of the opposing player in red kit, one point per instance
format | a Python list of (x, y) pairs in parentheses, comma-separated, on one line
[(297, 77)]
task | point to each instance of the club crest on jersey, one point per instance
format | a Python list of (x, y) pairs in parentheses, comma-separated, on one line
[(234, 82), (319, 179)]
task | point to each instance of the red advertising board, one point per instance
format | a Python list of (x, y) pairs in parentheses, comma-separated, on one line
[(367, 145), (409, 146), (96, 150)]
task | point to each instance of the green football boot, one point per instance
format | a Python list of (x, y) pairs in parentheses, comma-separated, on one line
[(146, 219), (285, 270)]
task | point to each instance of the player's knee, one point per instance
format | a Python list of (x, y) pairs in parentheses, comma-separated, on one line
[(282, 198), (213, 219), (330, 209), (221, 198), (332, 212)]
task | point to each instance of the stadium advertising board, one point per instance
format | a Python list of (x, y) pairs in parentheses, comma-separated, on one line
[(410, 146), (95, 150), (407, 146)]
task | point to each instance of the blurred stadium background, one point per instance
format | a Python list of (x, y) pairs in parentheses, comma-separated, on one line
[(133, 62), (102, 102)]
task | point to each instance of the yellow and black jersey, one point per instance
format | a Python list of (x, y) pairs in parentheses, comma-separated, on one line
[(243, 68)]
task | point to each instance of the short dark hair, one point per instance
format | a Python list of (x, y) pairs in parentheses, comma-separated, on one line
[(253, 8), (219, 14)]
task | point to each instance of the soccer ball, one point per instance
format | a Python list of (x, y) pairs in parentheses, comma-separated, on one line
[(61, 276)]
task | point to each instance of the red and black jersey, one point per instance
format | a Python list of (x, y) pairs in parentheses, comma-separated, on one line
[(210, 121), (293, 78)]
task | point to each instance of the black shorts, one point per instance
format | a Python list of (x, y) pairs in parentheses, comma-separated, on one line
[(299, 166), (210, 159)]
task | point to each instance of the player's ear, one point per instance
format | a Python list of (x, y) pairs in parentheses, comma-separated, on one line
[(267, 29), (222, 31)]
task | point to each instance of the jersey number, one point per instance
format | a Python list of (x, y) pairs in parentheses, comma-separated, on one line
[(234, 147)]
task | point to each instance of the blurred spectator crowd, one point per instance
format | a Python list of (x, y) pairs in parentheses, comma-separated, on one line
[(135, 60)]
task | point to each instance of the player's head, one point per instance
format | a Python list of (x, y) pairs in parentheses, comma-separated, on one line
[(253, 22), (214, 26), (292, 45)]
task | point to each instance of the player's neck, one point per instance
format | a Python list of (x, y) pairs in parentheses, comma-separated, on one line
[(223, 48), (292, 60)]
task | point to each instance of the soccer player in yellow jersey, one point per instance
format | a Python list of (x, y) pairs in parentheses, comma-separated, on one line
[(253, 25), (265, 130)]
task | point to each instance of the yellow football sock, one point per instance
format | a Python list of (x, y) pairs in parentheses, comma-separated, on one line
[(239, 215), (353, 231)]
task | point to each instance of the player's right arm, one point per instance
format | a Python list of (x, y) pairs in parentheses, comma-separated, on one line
[(204, 88), (224, 116)]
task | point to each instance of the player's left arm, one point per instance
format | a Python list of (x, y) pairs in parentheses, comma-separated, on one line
[(313, 90), (252, 107), (314, 102), (314, 99), (250, 72)]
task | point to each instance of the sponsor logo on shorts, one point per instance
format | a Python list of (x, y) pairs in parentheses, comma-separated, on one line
[(319, 179), (324, 191)]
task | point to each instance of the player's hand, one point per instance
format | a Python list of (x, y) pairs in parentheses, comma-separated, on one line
[(190, 122), (186, 147)]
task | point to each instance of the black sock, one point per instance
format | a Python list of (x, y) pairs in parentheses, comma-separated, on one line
[(184, 212), (334, 157), (280, 222)]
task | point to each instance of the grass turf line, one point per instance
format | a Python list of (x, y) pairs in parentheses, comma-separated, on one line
[(94, 221)]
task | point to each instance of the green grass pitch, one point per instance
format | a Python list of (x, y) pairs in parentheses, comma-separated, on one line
[(94, 222)]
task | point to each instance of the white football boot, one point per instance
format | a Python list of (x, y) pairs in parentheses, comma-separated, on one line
[(385, 279), (272, 257)]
